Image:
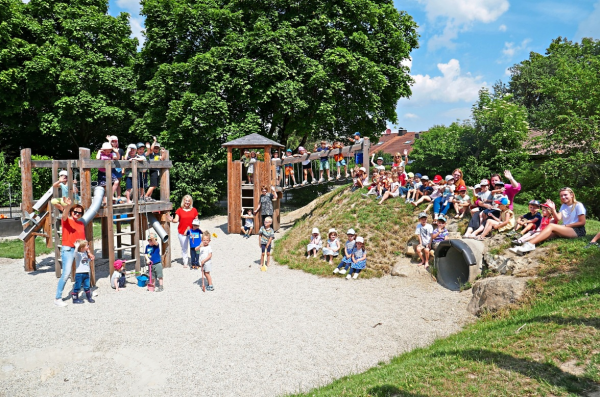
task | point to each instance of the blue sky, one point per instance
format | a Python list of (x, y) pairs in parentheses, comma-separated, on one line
[(465, 45)]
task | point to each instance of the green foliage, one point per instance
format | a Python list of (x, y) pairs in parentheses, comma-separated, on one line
[(66, 76), (561, 91), (492, 142), (10, 174)]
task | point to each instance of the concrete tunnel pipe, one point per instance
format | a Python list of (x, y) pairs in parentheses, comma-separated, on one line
[(458, 262)]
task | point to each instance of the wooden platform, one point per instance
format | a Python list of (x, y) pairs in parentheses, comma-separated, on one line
[(143, 207)]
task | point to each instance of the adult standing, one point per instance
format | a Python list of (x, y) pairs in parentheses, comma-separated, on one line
[(73, 229), (184, 216), (571, 213), (509, 190), (117, 172), (265, 204)]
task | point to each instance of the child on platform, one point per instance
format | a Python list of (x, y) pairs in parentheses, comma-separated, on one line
[(205, 253), (424, 230), (117, 280), (248, 222), (289, 171), (107, 152), (315, 243), (59, 203), (267, 234), (348, 250), (359, 259), (306, 167), (245, 160), (251, 162), (332, 246), (83, 257), (195, 241), (324, 161), (340, 161), (152, 255)]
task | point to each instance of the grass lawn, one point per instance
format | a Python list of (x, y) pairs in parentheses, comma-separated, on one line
[(547, 346), (13, 249)]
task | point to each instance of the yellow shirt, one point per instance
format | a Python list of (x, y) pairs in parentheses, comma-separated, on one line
[(511, 222)]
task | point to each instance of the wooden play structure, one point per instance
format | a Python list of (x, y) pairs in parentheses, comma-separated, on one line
[(241, 195), (123, 225)]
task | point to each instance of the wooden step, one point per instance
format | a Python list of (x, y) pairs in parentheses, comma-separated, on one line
[(125, 247), (123, 234), (124, 219)]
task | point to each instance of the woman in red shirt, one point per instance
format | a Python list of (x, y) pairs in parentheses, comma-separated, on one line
[(184, 216), (73, 229)]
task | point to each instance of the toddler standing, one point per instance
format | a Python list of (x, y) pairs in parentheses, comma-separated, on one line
[(315, 243), (359, 259), (195, 240), (206, 260), (267, 234), (83, 256), (348, 250), (152, 255)]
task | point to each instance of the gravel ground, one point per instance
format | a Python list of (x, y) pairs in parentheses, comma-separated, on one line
[(258, 334)]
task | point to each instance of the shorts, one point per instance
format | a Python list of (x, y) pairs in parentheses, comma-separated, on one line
[(358, 158), (263, 247), (306, 166), (129, 182), (102, 178), (157, 270), (323, 165), (207, 267), (340, 163), (154, 178), (428, 246), (246, 228), (118, 174), (289, 171), (580, 231)]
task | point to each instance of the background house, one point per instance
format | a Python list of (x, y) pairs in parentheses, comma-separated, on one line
[(391, 143)]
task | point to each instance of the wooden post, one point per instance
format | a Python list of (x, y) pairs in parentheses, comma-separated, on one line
[(109, 218), (365, 150), (231, 195), (55, 215), (163, 218), (85, 192), (135, 224), (258, 180), (27, 205), (266, 170)]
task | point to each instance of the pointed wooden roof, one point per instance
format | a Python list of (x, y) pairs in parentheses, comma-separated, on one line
[(252, 140)]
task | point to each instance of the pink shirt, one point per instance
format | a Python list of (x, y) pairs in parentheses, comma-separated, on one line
[(105, 157), (510, 191)]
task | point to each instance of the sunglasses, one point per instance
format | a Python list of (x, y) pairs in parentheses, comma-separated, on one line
[(78, 212)]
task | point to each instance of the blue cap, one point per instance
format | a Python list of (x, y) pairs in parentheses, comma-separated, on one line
[(289, 150), (357, 133), (417, 175), (503, 201)]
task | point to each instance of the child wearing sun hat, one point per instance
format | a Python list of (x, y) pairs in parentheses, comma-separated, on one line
[(315, 243), (332, 246)]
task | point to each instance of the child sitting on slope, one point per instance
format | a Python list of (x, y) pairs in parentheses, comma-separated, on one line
[(359, 259), (315, 243), (348, 250)]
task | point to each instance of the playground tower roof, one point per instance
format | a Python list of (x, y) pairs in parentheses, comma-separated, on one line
[(252, 140)]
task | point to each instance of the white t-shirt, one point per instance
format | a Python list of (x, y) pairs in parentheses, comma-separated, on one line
[(570, 214), (115, 276), (251, 165), (395, 185), (248, 222), (380, 167), (425, 232), (204, 251), (83, 262)]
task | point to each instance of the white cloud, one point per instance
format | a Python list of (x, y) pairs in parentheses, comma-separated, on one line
[(507, 72), (407, 62), (459, 15), (137, 29), (132, 6), (457, 113), (510, 49), (452, 86), (590, 27), (502, 28), (410, 116)]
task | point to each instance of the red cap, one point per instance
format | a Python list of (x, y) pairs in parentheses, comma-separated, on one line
[(461, 188), (437, 178)]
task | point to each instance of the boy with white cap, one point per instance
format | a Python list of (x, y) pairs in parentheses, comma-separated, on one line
[(195, 240), (425, 231), (379, 164), (59, 203), (348, 250)]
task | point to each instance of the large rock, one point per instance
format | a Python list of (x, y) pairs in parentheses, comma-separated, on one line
[(512, 264), (491, 294)]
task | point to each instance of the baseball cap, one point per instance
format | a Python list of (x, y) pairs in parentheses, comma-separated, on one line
[(359, 239), (357, 133), (410, 175), (425, 177), (461, 188), (131, 146), (140, 144), (363, 169), (63, 173), (545, 205), (503, 201), (484, 182), (417, 175), (441, 218), (350, 231), (437, 178), (289, 150), (380, 158), (449, 177), (315, 230), (534, 202), (301, 148), (422, 215), (478, 186), (196, 222), (499, 183)]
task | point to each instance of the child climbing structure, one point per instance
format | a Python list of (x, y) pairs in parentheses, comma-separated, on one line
[(40, 219), (242, 196)]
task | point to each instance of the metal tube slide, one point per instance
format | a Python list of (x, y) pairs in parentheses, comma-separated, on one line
[(162, 234), (458, 262), (91, 212), (41, 203)]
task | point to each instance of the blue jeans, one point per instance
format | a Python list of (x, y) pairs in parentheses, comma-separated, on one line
[(403, 191), (67, 255), (345, 263), (438, 208), (81, 278), (195, 257)]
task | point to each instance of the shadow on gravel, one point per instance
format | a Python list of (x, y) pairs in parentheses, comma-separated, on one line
[(392, 391)]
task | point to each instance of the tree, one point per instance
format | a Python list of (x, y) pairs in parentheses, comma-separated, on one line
[(561, 91), (66, 75), (213, 71)]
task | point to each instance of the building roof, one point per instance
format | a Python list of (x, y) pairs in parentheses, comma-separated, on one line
[(252, 140), (395, 144)]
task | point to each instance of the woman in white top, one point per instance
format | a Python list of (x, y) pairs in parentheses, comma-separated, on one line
[(572, 214)]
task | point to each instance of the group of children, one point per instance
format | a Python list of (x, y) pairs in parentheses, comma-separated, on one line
[(354, 259)]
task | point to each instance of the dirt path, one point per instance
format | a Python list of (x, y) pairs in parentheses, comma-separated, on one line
[(258, 334)]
